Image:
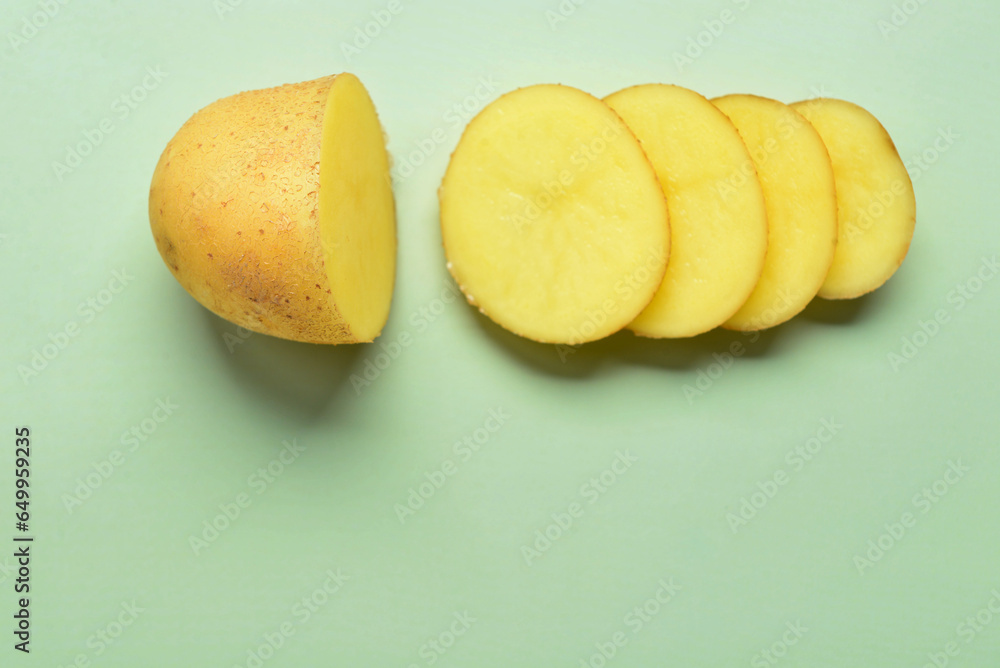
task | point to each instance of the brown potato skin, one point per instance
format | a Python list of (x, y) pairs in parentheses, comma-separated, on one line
[(233, 208)]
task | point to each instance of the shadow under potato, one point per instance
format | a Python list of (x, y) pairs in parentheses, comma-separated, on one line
[(304, 378), (293, 377), (625, 347), (838, 311)]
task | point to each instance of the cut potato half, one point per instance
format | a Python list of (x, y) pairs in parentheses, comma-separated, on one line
[(274, 209), (877, 207), (797, 178), (553, 221), (718, 221)]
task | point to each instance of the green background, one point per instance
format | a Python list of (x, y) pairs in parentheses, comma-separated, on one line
[(791, 581)]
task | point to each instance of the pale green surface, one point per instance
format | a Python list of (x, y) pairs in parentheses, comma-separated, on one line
[(333, 507)]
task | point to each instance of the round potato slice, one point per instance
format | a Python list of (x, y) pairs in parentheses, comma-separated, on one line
[(553, 221), (718, 222), (878, 210), (797, 178)]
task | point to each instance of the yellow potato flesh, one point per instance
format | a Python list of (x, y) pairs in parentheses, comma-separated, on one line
[(718, 222), (356, 208), (553, 220), (797, 179), (877, 207), (273, 208)]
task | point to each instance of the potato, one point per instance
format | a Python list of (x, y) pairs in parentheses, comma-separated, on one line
[(553, 221), (718, 223), (274, 209), (878, 209), (797, 178)]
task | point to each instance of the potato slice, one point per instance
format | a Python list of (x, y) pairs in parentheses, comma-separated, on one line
[(878, 209), (718, 223), (553, 220), (274, 209), (799, 193)]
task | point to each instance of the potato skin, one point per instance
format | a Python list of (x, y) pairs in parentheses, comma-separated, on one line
[(233, 208)]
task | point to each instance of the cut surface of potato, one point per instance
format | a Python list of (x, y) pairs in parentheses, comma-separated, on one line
[(273, 208), (877, 206), (356, 209), (553, 220), (797, 179), (718, 222)]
